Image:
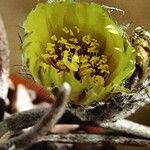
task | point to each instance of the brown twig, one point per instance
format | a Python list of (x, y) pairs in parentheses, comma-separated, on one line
[(95, 139), (45, 125), (28, 118), (21, 120), (129, 127), (110, 9)]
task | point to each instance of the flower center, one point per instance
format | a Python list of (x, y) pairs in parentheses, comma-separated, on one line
[(77, 52)]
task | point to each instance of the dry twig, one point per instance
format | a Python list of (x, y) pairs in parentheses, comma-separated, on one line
[(29, 118), (95, 139), (110, 9), (46, 123)]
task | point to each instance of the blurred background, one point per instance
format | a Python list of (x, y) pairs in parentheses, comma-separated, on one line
[(14, 12)]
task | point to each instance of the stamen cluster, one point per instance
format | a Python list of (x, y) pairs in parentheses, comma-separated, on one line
[(76, 52)]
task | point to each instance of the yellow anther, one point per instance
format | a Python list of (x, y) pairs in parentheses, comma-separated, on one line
[(60, 64), (77, 48), (99, 79), (104, 59), (77, 29), (85, 65), (92, 49), (71, 65), (71, 32), (75, 58), (49, 45), (62, 41), (84, 59), (85, 69), (74, 40), (99, 62), (60, 48), (70, 46), (53, 56), (86, 39), (48, 57), (65, 30), (54, 38), (94, 40), (94, 60), (104, 68), (50, 48), (45, 56), (94, 44)]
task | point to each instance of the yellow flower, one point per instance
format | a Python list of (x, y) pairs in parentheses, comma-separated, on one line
[(78, 43)]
